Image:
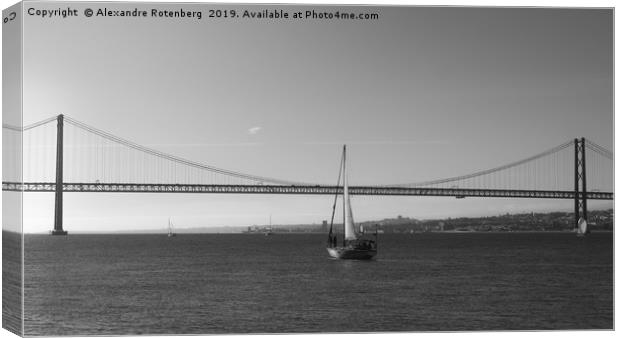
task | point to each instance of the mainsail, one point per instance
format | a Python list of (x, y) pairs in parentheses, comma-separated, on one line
[(349, 227)]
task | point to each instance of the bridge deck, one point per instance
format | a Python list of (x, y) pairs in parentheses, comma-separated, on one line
[(297, 189)]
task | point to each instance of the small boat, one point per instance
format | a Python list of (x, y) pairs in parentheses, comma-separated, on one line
[(270, 229), (170, 231), (582, 227), (353, 245)]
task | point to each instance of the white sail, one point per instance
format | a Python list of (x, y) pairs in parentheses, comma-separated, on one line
[(582, 227), (349, 227)]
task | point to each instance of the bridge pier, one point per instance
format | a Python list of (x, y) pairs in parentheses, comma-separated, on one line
[(58, 230), (581, 199)]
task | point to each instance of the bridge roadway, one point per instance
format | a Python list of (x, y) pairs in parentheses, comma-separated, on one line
[(298, 190)]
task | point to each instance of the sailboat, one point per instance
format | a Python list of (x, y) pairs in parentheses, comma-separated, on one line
[(582, 227), (270, 229), (352, 246), (170, 232)]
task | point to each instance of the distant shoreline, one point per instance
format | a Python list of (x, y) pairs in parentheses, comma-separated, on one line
[(302, 233), (599, 221)]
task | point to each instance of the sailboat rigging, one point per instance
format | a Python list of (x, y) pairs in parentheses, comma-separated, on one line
[(353, 246)]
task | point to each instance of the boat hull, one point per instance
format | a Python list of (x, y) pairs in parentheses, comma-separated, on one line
[(350, 253)]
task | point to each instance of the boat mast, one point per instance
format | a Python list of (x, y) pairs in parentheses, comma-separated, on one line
[(344, 195), (331, 223)]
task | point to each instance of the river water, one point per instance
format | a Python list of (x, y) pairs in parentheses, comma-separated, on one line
[(285, 283)]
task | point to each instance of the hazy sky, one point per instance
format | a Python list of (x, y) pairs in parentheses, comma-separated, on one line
[(420, 93)]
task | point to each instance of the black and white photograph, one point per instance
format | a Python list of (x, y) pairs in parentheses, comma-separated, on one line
[(230, 168)]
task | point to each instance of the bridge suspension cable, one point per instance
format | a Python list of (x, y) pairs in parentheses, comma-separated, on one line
[(176, 159), (599, 150), (489, 171), (30, 126)]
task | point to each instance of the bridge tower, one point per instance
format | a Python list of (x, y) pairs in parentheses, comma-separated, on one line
[(581, 200), (59, 184)]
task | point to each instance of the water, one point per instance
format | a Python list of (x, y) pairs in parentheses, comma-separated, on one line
[(234, 283), (11, 282)]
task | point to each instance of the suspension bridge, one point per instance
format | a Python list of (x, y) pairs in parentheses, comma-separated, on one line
[(88, 159)]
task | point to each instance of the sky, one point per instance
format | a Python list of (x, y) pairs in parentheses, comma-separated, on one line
[(421, 93)]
